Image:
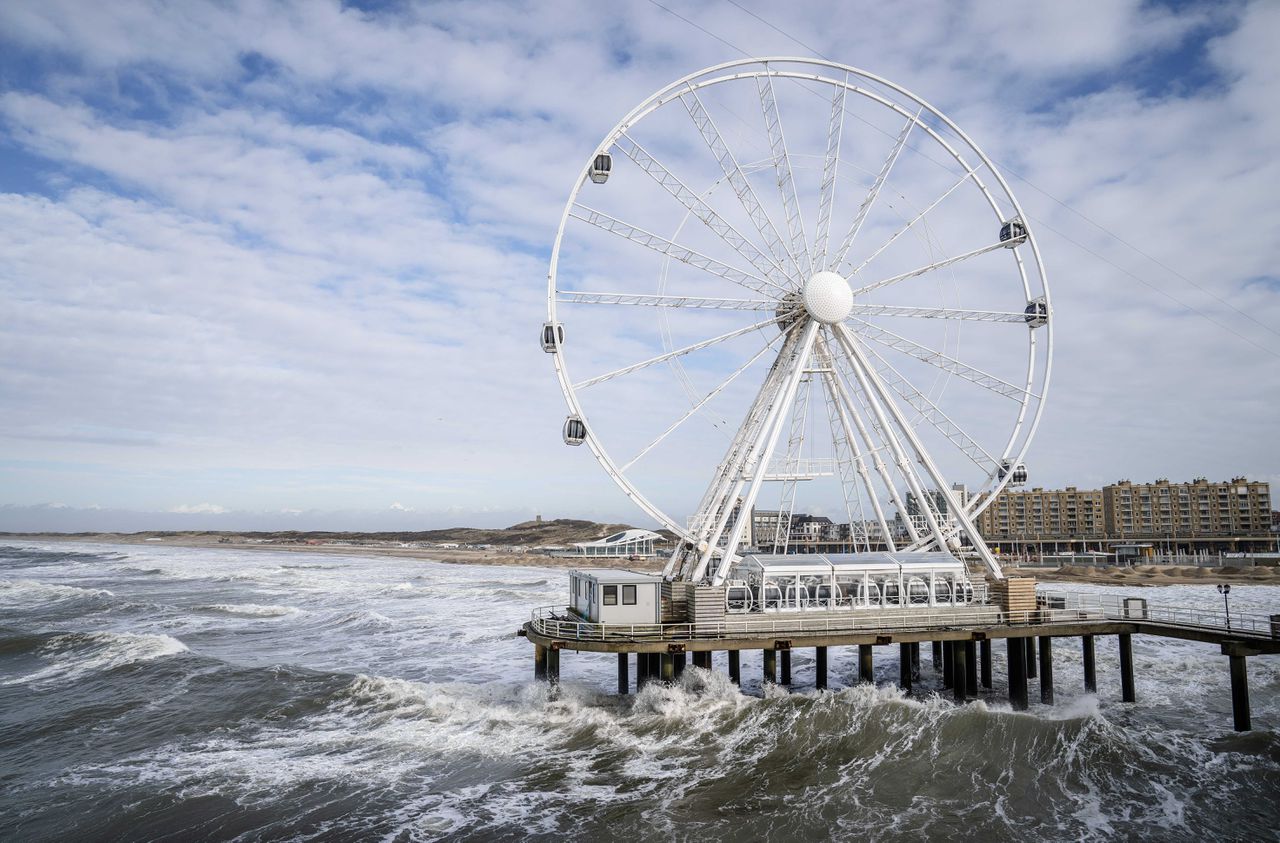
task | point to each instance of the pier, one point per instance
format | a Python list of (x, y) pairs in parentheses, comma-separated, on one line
[(960, 639)]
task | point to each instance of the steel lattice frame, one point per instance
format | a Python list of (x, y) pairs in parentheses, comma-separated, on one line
[(872, 409)]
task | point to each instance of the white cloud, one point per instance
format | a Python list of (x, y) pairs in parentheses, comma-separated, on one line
[(199, 509), (298, 254)]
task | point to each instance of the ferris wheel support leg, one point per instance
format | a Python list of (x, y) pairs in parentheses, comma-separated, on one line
[(715, 501), (752, 435), (881, 468), (832, 385), (773, 431), (954, 507)]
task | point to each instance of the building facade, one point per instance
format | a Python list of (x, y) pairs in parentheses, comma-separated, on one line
[(1199, 516)]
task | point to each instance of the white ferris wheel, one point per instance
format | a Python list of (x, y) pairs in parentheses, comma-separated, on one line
[(801, 287)]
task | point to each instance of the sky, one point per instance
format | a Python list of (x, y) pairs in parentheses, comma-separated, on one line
[(282, 265)]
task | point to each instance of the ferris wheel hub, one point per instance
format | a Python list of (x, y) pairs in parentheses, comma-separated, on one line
[(827, 297)]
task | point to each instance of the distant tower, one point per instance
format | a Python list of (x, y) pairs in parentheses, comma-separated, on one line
[(537, 519)]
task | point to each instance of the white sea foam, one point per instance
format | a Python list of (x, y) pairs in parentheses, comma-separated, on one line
[(252, 610), (76, 655), (19, 592)]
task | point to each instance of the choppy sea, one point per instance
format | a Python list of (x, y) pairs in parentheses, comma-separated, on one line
[(163, 693)]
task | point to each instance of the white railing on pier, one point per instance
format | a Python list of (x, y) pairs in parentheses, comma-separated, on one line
[(1116, 607)]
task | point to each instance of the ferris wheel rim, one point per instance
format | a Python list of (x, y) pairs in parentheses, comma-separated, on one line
[(1026, 426)]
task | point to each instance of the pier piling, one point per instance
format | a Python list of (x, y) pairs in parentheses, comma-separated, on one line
[(820, 668), (735, 667), (960, 670), (1090, 668), (553, 665), (539, 661), (678, 664), (937, 655), (904, 667), (624, 681), (865, 670), (1029, 647), (667, 667), (971, 669), (984, 647), (1240, 693), (1127, 693), (1017, 673), (1046, 670), (771, 666), (786, 667), (948, 664), (915, 661)]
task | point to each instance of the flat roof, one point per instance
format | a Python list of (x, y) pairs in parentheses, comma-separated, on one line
[(616, 575)]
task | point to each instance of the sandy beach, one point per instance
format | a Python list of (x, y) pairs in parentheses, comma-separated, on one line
[(1140, 575)]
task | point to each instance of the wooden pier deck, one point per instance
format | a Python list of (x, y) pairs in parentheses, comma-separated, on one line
[(960, 638)]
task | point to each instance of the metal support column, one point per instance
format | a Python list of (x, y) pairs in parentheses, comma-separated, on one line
[(1240, 694), (702, 659), (948, 665), (937, 655), (915, 661), (735, 667), (820, 668), (960, 670), (553, 666), (1046, 670), (971, 669), (904, 667), (984, 647), (667, 667), (1017, 673), (865, 670), (677, 662), (1127, 692), (539, 661), (1029, 644), (1089, 663), (771, 666), (786, 667), (624, 681)]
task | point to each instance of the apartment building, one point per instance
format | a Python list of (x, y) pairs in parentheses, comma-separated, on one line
[(1198, 510), (1073, 517)]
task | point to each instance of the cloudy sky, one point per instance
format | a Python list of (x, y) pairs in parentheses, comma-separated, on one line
[(282, 265)]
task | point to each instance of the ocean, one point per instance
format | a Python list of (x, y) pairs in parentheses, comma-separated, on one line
[(165, 693)]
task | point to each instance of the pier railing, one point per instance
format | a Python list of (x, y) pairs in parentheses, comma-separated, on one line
[(555, 622), (1052, 607), (1116, 607)]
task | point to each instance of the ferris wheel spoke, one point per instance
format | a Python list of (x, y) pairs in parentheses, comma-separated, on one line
[(865, 207), (939, 313), (679, 352), (929, 268), (702, 402), (738, 180), (763, 263), (942, 361), (830, 164), (663, 246), (901, 231), (932, 413), (799, 248), (640, 300)]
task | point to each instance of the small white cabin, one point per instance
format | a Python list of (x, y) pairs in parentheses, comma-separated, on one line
[(612, 595)]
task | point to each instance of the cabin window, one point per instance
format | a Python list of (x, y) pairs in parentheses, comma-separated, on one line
[(611, 595), (628, 595)]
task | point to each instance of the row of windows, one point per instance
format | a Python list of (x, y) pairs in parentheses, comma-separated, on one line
[(611, 595)]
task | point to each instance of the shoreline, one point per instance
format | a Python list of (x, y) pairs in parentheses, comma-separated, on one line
[(1141, 576)]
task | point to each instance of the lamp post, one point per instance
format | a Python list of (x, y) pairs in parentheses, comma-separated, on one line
[(1224, 590)]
